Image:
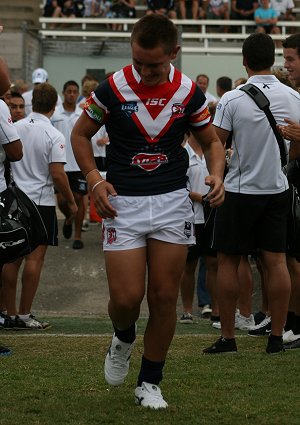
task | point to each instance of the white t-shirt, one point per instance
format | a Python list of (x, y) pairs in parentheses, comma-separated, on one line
[(281, 6), (210, 97), (196, 173), (97, 149), (8, 134), (27, 96), (255, 166), (64, 122), (42, 145)]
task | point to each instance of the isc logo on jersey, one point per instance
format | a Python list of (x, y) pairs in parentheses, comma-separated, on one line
[(155, 101)]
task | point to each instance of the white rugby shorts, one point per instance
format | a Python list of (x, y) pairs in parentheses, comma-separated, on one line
[(167, 217)]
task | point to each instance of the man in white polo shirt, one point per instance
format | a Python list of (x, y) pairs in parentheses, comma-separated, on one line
[(64, 120), (10, 146), (254, 214), (41, 167)]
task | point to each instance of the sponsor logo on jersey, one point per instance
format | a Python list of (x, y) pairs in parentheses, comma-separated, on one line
[(177, 110), (94, 111), (149, 161), (129, 108), (204, 114), (188, 229), (111, 235), (155, 101)]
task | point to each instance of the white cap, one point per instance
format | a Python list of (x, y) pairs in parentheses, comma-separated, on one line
[(39, 75)]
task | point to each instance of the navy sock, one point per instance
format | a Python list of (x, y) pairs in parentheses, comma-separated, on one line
[(128, 335), (289, 321), (150, 372), (296, 325), (274, 337)]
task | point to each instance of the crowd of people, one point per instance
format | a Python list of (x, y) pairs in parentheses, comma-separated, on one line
[(264, 13), (181, 137)]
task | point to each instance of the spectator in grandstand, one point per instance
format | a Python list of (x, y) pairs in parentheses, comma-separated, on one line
[(202, 81), (217, 9), (195, 9), (243, 9), (63, 120), (97, 8), (254, 214), (266, 19), (52, 8), (122, 9), (162, 7), (284, 9), (17, 106), (41, 167)]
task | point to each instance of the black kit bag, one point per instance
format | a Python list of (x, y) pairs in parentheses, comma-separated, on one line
[(21, 226)]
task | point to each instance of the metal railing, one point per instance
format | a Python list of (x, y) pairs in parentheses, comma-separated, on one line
[(197, 35)]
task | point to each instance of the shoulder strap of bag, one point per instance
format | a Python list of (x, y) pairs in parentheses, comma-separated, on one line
[(263, 103)]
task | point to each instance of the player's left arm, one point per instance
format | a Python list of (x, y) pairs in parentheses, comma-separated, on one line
[(215, 159)]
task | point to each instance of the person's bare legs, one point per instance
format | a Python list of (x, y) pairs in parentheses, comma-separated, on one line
[(278, 284), (31, 278), (227, 291), (264, 297), (165, 266), (211, 283), (79, 216), (9, 280), (187, 285), (245, 287), (126, 271)]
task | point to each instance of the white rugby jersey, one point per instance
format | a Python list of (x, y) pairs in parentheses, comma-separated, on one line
[(42, 145), (64, 122), (8, 134), (255, 166), (196, 173)]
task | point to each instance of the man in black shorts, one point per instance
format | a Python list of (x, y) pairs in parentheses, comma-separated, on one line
[(254, 213), (41, 167)]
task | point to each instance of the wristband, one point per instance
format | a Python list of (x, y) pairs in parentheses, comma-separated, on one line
[(94, 169), (96, 184)]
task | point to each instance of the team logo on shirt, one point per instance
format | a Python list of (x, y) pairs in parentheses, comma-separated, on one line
[(219, 105), (129, 108), (149, 161), (188, 229), (177, 110)]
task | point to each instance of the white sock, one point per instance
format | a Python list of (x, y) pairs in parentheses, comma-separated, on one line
[(24, 316)]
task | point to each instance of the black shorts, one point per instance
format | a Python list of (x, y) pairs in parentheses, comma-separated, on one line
[(77, 182), (201, 248), (48, 215), (245, 223)]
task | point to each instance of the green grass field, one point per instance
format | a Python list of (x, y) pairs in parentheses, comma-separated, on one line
[(56, 377)]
